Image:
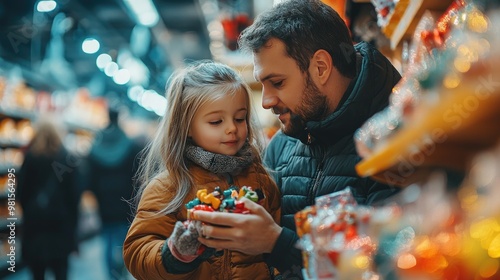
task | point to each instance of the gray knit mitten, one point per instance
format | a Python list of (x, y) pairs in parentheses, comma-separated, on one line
[(184, 240)]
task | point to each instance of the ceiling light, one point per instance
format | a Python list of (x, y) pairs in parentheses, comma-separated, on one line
[(103, 60), (121, 77), (152, 101), (90, 45), (46, 6), (144, 12), (135, 92), (110, 69)]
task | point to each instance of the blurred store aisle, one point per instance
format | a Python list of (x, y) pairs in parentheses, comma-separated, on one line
[(89, 264)]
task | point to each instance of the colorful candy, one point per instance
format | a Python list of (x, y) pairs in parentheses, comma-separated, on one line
[(223, 201)]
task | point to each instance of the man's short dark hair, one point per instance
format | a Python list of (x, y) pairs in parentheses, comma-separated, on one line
[(304, 26)]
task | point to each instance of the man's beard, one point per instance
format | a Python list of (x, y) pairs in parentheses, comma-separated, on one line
[(313, 107)]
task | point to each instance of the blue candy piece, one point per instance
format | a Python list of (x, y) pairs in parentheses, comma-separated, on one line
[(228, 203), (192, 203)]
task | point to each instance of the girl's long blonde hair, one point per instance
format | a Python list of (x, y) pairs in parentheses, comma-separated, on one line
[(189, 89)]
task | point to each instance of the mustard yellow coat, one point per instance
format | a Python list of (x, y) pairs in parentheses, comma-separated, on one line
[(147, 234)]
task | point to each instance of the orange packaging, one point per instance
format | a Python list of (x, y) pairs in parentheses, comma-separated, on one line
[(339, 7)]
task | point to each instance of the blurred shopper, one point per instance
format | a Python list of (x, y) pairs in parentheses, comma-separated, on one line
[(110, 178), (49, 197)]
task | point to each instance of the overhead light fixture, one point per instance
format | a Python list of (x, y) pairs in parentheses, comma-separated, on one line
[(90, 45), (103, 60), (152, 101), (121, 77), (135, 92), (144, 12), (46, 6), (111, 68)]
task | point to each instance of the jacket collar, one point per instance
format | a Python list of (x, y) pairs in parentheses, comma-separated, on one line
[(367, 94)]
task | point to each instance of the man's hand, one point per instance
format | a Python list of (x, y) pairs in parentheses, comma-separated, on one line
[(254, 233)]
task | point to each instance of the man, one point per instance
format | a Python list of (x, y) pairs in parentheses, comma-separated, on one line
[(322, 88)]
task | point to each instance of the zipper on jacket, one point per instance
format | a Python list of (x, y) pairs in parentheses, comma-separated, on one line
[(312, 193), (319, 174)]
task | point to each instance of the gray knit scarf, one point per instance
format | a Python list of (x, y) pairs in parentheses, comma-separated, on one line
[(218, 163)]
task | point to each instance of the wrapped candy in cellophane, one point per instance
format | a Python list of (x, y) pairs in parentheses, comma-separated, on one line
[(412, 236), (384, 9), (336, 236), (423, 234), (427, 232)]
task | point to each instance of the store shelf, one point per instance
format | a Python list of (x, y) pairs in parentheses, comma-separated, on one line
[(445, 130), (17, 114), (4, 144), (406, 15)]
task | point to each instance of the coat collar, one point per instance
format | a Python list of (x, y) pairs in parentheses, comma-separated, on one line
[(367, 94)]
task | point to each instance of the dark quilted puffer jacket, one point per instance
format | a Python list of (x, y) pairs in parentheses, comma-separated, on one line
[(304, 171)]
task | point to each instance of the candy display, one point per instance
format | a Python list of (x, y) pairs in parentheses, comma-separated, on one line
[(432, 229), (436, 37), (303, 221), (335, 239), (426, 232), (435, 62), (384, 9)]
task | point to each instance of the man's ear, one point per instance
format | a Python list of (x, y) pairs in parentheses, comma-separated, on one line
[(321, 66)]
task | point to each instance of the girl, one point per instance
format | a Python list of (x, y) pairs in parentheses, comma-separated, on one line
[(205, 140)]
